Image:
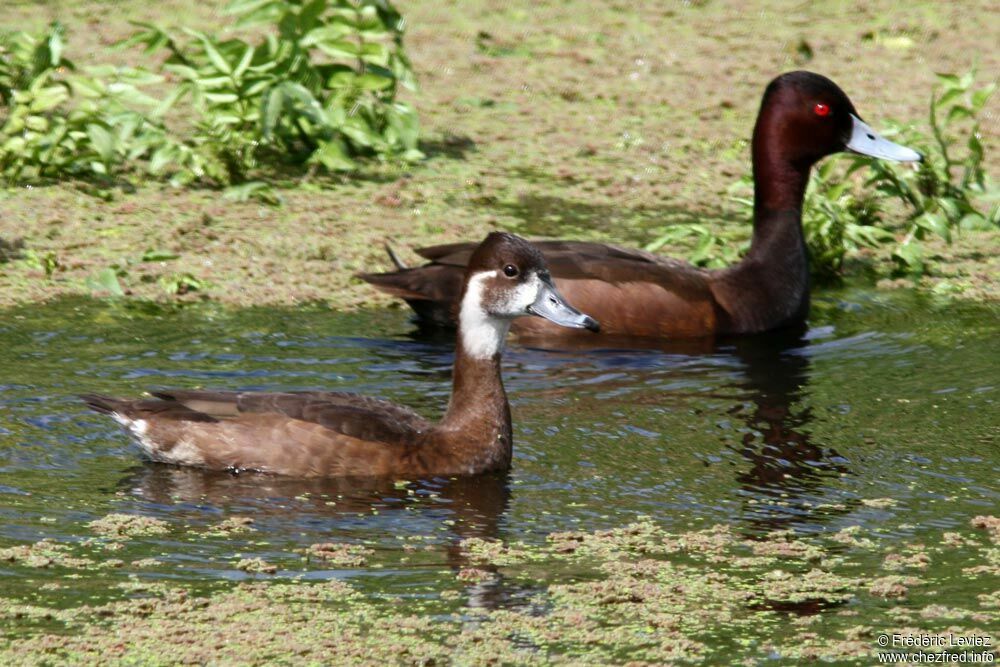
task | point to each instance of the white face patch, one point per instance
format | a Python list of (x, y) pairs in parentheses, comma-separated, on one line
[(483, 331)]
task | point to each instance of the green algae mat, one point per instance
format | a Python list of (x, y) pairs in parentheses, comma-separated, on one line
[(827, 494)]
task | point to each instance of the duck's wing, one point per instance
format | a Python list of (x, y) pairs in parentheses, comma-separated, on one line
[(308, 434), (597, 276), (354, 415)]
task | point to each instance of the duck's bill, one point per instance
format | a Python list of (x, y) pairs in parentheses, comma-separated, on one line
[(867, 141), (552, 306)]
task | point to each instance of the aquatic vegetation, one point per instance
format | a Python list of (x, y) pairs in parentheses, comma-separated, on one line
[(339, 555), (256, 566), (120, 526), (634, 602)]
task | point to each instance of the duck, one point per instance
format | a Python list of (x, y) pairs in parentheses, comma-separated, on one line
[(340, 434), (803, 118)]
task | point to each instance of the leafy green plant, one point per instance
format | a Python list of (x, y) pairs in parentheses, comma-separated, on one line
[(181, 284), (320, 88), (48, 262), (947, 191), (106, 281), (706, 248), (57, 122)]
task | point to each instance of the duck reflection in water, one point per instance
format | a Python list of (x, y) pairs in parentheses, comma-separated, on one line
[(472, 507), (787, 470), (788, 473)]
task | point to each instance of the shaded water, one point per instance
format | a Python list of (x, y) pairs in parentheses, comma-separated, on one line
[(884, 396)]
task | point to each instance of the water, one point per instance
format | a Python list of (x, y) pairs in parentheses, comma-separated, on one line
[(884, 396)]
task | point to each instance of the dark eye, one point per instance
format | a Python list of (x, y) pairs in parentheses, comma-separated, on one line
[(510, 270), (821, 109)]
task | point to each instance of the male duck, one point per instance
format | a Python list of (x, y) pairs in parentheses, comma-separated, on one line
[(333, 434), (803, 117)]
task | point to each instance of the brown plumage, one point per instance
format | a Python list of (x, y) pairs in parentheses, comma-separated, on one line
[(803, 117), (332, 434)]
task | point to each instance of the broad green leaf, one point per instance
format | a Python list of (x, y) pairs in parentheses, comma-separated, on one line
[(270, 111), (371, 81), (55, 44), (161, 158), (338, 48), (221, 98), (102, 141), (949, 80), (244, 63), (49, 98), (244, 6), (332, 156), (215, 56), (309, 15), (152, 255), (327, 33), (936, 224), (981, 96), (106, 280)]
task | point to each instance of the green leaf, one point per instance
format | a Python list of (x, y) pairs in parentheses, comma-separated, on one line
[(949, 80), (102, 141), (49, 98), (338, 48), (215, 56), (981, 96), (309, 15), (245, 6), (152, 255), (330, 32), (332, 156), (270, 111), (936, 224), (244, 63), (910, 258), (958, 112), (371, 81), (106, 280), (252, 190), (221, 98), (55, 45)]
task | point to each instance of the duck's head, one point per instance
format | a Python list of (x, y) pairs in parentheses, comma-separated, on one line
[(507, 277), (806, 117)]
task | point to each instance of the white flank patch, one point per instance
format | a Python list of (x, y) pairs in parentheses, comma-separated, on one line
[(482, 334), (183, 452), (137, 428)]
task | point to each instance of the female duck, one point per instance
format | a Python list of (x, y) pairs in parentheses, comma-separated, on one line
[(331, 434), (803, 117)]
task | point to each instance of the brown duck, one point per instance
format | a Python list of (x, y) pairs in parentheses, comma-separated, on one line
[(331, 434), (803, 117)]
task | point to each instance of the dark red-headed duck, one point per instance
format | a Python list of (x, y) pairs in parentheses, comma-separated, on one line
[(333, 434), (803, 117)]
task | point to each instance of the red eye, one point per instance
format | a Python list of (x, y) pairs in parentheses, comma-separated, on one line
[(822, 109)]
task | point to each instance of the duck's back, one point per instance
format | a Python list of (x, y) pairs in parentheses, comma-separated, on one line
[(630, 292)]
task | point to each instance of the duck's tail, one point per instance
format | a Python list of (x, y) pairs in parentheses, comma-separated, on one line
[(400, 266), (431, 290), (105, 404)]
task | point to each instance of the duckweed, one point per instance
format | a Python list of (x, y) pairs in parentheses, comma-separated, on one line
[(638, 595)]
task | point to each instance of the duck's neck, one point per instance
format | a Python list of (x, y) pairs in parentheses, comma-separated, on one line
[(770, 286), (477, 422), (779, 189)]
